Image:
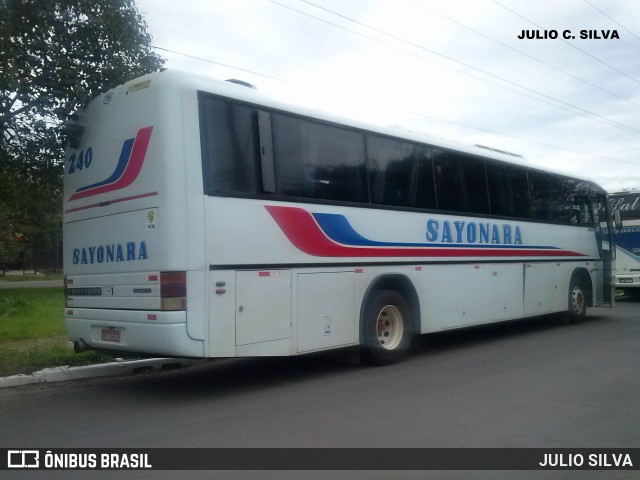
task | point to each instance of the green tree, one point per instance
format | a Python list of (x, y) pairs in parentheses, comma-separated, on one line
[(55, 55), (10, 237)]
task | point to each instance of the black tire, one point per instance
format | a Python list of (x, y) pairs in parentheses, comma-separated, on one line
[(386, 328), (577, 309)]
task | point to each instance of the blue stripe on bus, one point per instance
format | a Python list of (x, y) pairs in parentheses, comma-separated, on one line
[(120, 167), (338, 229)]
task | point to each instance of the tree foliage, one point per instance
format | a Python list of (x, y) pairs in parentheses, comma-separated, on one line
[(58, 54), (55, 55)]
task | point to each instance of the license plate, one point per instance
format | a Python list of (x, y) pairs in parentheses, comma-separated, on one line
[(110, 335), (626, 280), (84, 291)]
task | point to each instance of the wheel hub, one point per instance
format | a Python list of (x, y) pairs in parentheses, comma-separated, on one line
[(577, 299), (390, 327)]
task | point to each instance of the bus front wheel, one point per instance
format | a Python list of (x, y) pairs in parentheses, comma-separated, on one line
[(386, 328), (577, 301)]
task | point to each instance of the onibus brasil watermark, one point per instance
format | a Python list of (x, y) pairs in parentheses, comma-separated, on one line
[(76, 460)]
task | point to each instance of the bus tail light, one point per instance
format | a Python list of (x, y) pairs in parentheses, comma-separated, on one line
[(173, 290)]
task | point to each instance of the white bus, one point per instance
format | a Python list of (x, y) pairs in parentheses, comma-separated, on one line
[(627, 272), (204, 219)]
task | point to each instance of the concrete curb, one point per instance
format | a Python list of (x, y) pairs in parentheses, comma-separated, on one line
[(113, 369)]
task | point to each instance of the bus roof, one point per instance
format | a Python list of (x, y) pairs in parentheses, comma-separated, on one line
[(246, 92)]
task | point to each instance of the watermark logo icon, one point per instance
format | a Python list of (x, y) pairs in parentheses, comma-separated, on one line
[(23, 459)]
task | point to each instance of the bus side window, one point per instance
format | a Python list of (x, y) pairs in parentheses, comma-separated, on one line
[(460, 182), (319, 161), (229, 147), (546, 196), (581, 212), (577, 195), (603, 214), (400, 173), (508, 190)]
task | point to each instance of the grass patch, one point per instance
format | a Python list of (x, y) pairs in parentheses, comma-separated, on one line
[(28, 313), (31, 278), (32, 335)]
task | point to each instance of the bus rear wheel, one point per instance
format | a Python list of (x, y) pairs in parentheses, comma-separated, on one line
[(386, 328), (577, 301)]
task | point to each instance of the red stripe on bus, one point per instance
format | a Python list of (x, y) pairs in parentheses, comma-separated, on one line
[(109, 202), (138, 152)]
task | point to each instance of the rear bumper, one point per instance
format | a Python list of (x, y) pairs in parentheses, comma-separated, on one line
[(127, 331)]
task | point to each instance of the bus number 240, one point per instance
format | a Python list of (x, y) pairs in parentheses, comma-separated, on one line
[(82, 160)]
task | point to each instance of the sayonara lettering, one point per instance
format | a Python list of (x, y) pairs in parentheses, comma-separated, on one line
[(110, 253), (474, 233)]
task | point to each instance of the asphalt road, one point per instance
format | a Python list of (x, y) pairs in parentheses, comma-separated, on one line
[(533, 383)]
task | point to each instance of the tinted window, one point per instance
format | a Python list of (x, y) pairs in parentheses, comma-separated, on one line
[(461, 183), (400, 173), (318, 161), (577, 205), (425, 183), (314, 160), (229, 147), (547, 202), (508, 190)]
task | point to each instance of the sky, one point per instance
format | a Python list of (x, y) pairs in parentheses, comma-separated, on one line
[(452, 69)]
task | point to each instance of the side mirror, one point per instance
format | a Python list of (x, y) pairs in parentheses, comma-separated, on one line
[(617, 218)]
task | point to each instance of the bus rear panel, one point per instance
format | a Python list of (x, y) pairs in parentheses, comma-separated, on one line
[(127, 258)]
